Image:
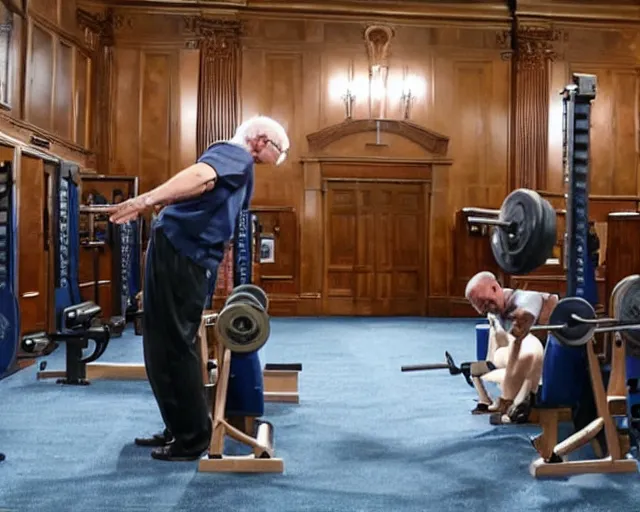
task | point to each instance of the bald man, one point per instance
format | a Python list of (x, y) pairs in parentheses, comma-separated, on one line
[(516, 353)]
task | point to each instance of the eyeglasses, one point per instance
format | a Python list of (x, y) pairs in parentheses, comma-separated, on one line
[(283, 154)]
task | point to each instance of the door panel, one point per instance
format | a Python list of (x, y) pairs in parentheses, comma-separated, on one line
[(340, 248), (365, 262)]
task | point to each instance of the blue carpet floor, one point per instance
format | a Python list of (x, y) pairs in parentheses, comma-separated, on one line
[(365, 436)]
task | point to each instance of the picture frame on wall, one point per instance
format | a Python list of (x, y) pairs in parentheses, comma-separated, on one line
[(267, 248)]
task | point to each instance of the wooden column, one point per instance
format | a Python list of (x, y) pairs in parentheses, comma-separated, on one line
[(98, 35), (218, 88), (531, 52), (311, 240)]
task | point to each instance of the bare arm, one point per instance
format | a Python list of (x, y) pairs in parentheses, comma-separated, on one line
[(528, 306), (190, 182)]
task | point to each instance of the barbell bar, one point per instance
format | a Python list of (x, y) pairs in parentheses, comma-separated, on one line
[(104, 208), (489, 222), (481, 211), (573, 322)]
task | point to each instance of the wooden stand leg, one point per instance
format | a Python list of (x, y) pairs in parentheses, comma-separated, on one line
[(545, 442)]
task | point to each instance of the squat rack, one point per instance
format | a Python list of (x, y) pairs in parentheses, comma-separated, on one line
[(577, 98)]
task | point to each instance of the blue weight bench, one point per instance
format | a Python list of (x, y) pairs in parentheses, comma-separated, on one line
[(80, 326)]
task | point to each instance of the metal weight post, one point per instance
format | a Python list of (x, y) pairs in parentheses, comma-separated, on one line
[(577, 99)]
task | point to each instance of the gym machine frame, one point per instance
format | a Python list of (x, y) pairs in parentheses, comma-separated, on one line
[(82, 324), (85, 179), (577, 99)]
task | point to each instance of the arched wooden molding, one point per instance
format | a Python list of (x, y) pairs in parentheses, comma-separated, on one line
[(432, 142)]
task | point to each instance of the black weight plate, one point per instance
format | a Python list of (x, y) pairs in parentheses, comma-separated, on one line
[(254, 290), (9, 329), (545, 240), (549, 232), (575, 334), (628, 312), (618, 292), (242, 328), (243, 298), (514, 247)]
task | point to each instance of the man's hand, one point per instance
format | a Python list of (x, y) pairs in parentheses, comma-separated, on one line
[(522, 322), (492, 320), (129, 210)]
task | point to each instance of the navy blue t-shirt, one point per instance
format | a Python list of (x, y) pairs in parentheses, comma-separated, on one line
[(200, 227)]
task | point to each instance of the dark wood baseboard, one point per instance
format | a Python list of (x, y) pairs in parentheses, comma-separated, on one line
[(311, 305)]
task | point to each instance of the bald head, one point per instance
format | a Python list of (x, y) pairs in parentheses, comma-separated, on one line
[(485, 293)]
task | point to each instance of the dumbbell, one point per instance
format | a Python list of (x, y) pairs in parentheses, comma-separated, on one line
[(243, 323)]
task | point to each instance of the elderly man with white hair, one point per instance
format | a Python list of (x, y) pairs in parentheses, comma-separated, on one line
[(516, 353), (199, 208)]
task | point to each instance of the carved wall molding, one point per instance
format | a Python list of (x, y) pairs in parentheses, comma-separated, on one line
[(431, 141), (218, 39), (377, 40), (532, 46), (98, 28), (122, 23)]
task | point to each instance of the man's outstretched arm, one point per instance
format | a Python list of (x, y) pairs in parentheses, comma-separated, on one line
[(190, 182)]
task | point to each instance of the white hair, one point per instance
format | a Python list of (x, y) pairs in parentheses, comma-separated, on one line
[(476, 280), (262, 126)]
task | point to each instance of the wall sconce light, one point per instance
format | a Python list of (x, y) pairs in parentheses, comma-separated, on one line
[(412, 87), (348, 98), (347, 88), (406, 98), (401, 91)]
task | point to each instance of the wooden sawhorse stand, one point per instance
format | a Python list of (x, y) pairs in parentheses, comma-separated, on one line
[(609, 404), (262, 459), (550, 450)]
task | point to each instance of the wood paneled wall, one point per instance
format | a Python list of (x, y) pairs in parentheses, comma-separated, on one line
[(48, 78), (491, 86)]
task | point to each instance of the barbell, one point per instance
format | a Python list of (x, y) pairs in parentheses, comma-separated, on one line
[(573, 321), (524, 230)]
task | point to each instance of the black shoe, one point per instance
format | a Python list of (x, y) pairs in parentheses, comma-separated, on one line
[(481, 409), (173, 452), (161, 439), (520, 413)]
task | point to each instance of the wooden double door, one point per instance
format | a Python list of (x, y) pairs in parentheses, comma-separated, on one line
[(376, 241)]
